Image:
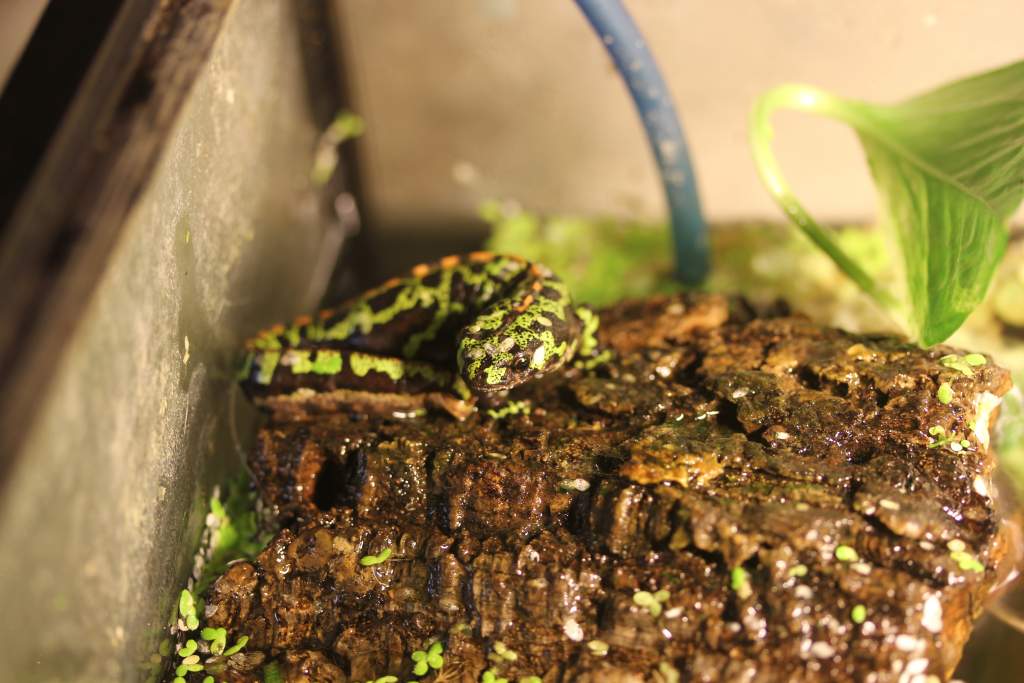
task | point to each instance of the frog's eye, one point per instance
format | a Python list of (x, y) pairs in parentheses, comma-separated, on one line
[(521, 364)]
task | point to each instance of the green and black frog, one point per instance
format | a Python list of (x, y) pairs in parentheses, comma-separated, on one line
[(449, 333)]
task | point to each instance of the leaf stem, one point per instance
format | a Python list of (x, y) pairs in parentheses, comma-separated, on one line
[(804, 98)]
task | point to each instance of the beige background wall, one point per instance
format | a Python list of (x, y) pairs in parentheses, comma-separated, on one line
[(469, 99), (18, 18), (516, 98)]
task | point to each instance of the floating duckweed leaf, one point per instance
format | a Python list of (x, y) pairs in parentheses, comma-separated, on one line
[(501, 651), (651, 602), (975, 359), (845, 553), (436, 661), (217, 637), (420, 666), (947, 166), (491, 677), (237, 646), (955, 362), (643, 598), (188, 648), (966, 561), (186, 604), (739, 581), (370, 560), (944, 394)]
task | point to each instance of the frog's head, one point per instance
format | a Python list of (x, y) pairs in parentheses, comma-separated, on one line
[(504, 357)]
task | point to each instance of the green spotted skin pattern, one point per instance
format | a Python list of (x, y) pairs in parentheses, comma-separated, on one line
[(472, 324)]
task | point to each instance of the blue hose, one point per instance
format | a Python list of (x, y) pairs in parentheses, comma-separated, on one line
[(634, 61)]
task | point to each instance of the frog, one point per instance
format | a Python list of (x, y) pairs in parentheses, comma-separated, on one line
[(463, 329)]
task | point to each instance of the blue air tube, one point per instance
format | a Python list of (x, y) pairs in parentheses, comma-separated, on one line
[(634, 61)]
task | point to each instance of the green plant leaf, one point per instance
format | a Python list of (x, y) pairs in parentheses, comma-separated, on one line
[(949, 169)]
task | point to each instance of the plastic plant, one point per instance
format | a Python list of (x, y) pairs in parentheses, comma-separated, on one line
[(948, 166)]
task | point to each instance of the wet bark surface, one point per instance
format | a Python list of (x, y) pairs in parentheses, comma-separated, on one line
[(734, 497)]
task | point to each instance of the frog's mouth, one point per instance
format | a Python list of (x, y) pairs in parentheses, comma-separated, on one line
[(495, 378), (501, 375)]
